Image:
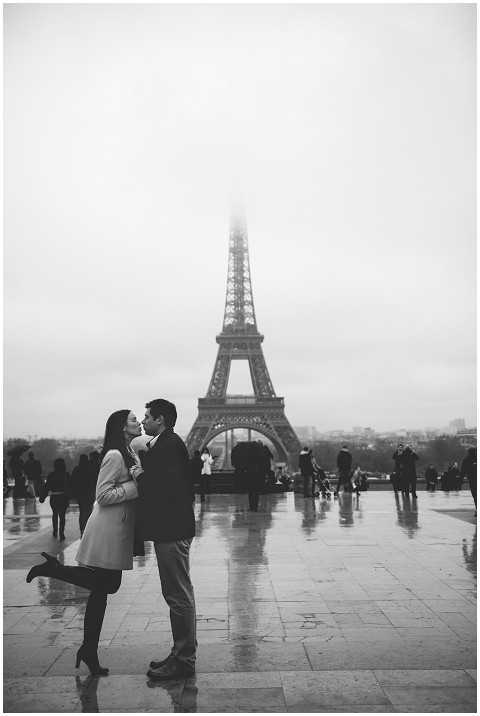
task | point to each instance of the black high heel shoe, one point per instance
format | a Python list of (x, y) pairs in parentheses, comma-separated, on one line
[(47, 569), (90, 658)]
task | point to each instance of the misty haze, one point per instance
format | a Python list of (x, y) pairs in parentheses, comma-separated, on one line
[(348, 135)]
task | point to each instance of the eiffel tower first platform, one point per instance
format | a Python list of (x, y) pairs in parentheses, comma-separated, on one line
[(240, 339)]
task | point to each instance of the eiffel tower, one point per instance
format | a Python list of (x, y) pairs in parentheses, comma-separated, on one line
[(240, 339)]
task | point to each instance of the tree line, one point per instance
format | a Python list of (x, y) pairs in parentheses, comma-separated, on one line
[(440, 451), (47, 450)]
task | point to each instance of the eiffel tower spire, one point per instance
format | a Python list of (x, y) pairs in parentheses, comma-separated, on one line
[(239, 309), (240, 339)]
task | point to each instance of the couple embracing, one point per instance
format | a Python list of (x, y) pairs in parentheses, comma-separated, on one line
[(140, 493)]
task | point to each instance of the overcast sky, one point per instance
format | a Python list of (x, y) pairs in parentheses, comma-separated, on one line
[(349, 134)]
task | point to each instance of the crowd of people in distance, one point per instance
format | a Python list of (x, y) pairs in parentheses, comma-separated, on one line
[(316, 483), (252, 462), (59, 485), (404, 477)]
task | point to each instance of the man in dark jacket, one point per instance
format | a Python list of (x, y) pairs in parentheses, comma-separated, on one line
[(397, 478), (166, 518), (453, 473), (33, 471), (409, 471), (468, 469), (431, 476), (305, 463), (344, 465)]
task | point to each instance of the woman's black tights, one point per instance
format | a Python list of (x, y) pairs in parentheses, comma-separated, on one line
[(58, 516), (100, 582), (59, 505)]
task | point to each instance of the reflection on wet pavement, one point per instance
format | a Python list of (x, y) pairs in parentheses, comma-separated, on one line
[(362, 603), (407, 513)]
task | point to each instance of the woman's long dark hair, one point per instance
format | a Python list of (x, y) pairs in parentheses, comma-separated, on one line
[(115, 437)]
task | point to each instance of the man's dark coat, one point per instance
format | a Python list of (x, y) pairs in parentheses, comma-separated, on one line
[(344, 460), (408, 463), (165, 512)]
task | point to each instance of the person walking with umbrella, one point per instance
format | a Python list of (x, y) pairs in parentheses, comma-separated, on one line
[(17, 465)]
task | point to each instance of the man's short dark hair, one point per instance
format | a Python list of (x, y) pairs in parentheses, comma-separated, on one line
[(160, 406)]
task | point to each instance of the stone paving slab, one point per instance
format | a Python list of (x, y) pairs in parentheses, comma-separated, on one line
[(359, 606), (330, 691)]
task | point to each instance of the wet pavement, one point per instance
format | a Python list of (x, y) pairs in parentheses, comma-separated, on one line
[(359, 605)]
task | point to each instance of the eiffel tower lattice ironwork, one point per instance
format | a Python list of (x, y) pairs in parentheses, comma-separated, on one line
[(263, 412)]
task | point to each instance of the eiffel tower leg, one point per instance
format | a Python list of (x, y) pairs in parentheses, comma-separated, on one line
[(197, 436), (262, 385), (287, 437)]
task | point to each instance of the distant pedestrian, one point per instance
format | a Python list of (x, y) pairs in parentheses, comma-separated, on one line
[(451, 477), (195, 465), (82, 487), (444, 481), (357, 479), (344, 467), (305, 463), (431, 476), (468, 469), (248, 459), (267, 464), (409, 471), (459, 477), (16, 466), (323, 483), (33, 472), (57, 487), (396, 477), (206, 473), (256, 475), (284, 478), (6, 486), (364, 482)]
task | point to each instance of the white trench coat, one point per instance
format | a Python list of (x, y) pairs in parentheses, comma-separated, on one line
[(108, 537)]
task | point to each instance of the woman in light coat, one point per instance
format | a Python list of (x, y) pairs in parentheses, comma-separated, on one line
[(106, 547), (207, 460)]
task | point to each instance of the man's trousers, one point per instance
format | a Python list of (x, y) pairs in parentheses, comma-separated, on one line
[(177, 589)]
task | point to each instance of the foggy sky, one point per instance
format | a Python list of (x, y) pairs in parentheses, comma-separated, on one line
[(348, 132)]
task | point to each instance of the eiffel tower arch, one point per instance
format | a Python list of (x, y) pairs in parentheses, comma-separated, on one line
[(240, 339)]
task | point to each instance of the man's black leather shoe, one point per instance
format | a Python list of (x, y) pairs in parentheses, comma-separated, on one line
[(158, 664), (172, 669)]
